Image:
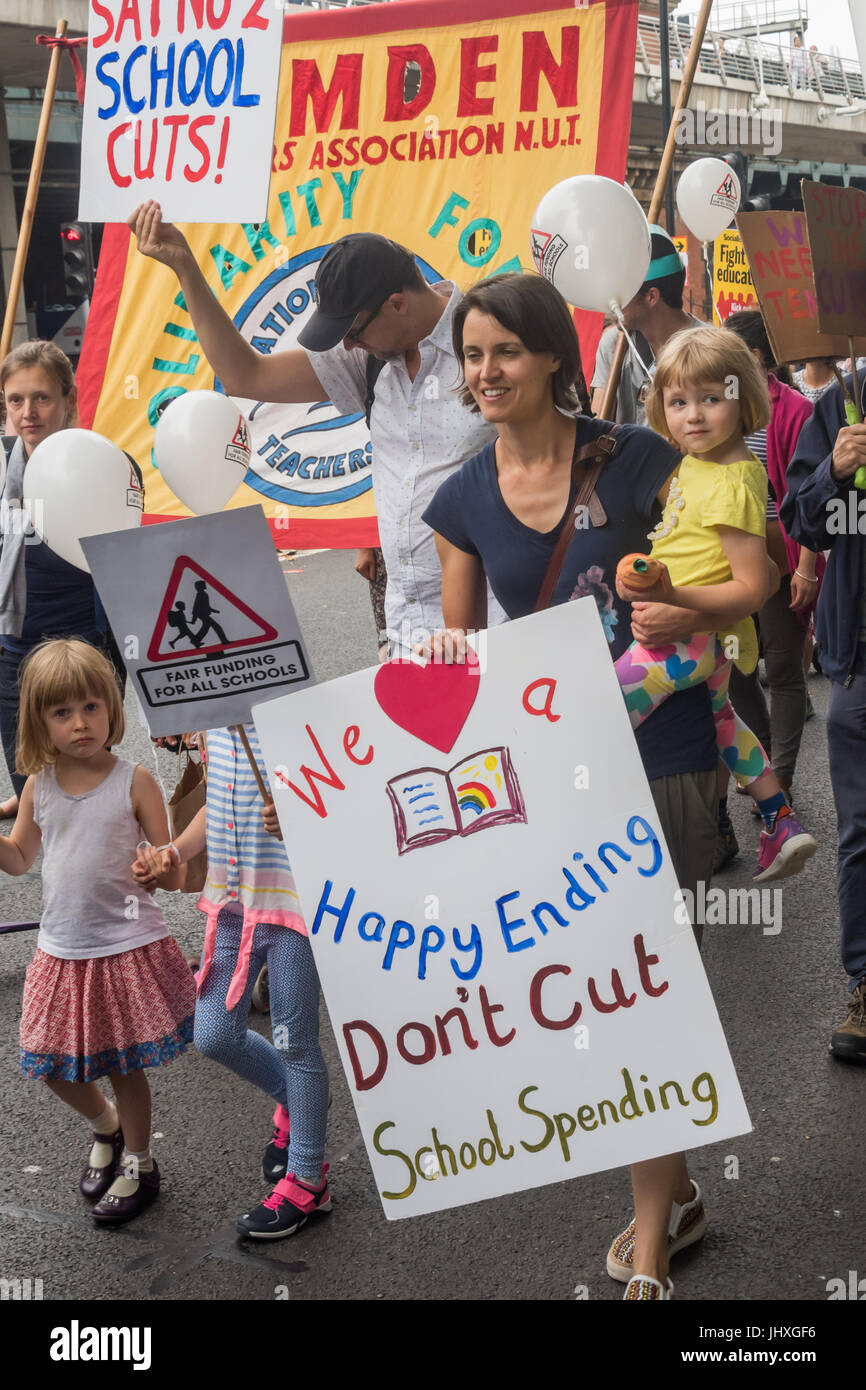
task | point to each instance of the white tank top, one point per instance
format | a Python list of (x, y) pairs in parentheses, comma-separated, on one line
[(91, 904)]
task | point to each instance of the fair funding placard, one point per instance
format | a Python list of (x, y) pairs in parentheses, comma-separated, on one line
[(179, 106), (509, 968), (202, 617)]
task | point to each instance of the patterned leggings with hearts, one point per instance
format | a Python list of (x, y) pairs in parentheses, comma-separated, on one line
[(647, 677)]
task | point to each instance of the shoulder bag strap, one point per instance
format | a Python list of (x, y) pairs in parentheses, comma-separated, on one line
[(587, 465)]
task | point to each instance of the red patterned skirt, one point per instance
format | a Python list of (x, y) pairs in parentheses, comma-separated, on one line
[(82, 1019)]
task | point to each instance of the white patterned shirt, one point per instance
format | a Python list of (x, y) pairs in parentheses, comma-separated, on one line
[(421, 434)]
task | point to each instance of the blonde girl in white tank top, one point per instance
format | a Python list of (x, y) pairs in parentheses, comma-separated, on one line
[(108, 992)]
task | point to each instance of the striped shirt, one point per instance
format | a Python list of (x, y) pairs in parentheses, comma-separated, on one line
[(248, 870), (757, 443)]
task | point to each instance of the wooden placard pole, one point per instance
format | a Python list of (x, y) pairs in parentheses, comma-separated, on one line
[(26, 227), (241, 733), (608, 404)]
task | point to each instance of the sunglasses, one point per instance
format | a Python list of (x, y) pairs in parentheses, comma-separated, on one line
[(356, 333)]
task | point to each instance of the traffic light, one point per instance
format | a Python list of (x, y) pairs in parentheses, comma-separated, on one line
[(740, 166), (77, 260)]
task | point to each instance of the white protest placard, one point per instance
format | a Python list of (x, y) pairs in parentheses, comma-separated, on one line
[(513, 983), (179, 106), (202, 617)]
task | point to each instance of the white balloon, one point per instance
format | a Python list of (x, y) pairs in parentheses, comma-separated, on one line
[(76, 483), (590, 238), (708, 195), (202, 448)]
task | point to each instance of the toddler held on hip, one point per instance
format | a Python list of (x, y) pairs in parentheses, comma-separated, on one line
[(253, 920), (707, 395), (108, 992)]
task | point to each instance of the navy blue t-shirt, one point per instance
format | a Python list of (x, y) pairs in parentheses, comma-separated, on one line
[(60, 600), (470, 512)]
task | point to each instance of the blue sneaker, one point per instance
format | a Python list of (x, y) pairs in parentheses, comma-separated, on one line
[(286, 1210)]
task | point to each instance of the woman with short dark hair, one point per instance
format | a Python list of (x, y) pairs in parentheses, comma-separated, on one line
[(499, 517)]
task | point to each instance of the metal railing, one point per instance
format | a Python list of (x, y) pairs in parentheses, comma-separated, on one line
[(744, 16), (760, 63)]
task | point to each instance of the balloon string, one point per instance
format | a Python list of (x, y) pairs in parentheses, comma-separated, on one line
[(631, 342)]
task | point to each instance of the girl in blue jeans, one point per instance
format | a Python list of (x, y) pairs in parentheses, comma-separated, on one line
[(253, 920)]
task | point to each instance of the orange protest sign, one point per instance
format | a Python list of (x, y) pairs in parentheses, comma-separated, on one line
[(440, 125), (777, 247)]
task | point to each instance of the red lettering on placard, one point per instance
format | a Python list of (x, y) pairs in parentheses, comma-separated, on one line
[(396, 109), (350, 738), (201, 146), (197, 7), (121, 180), (154, 17), (128, 11), (307, 85), (643, 964), (547, 707), (330, 779), (362, 1082), (472, 73), (538, 60), (97, 40), (254, 19), (175, 122), (535, 1008)]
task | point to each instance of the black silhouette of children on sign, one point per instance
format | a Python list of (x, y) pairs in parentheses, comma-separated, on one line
[(177, 619), (202, 612)]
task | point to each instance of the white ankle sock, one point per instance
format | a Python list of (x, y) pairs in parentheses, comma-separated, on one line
[(107, 1124), (125, 1185)]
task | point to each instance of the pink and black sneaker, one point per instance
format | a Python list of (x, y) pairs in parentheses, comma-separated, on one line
[(784, 849), (287, 1209), (276, 1156)]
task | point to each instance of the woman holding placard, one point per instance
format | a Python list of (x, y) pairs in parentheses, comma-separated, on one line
[(42, 594), (503, 514)]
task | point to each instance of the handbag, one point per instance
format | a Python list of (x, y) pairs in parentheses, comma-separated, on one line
[(187, 799), (586, 467)]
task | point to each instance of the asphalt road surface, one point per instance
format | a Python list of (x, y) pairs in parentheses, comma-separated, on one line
[(785, 1203)]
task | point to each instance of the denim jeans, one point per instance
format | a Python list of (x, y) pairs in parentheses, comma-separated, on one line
[(846, 739)]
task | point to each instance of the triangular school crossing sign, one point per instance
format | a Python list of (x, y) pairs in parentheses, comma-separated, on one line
[(191, 624)]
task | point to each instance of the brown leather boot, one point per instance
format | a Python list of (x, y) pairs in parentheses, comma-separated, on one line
[(849, 1041)]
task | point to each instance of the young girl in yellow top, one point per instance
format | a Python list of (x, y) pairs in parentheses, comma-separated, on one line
[(707, 395)]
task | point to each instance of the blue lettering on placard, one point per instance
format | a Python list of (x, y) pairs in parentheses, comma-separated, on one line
[(242, 98), (132, 104), (509, 926), (186, 93), (106, 112), (650, 838), (217, 98), (158, 74), (341, 913)]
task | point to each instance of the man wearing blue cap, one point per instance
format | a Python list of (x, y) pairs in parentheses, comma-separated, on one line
[(654, 314)]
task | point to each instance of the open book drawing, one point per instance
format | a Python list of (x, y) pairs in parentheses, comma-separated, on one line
[(430, 804)]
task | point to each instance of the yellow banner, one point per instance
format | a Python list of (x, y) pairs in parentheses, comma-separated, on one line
[(442, 133), (733, 289)]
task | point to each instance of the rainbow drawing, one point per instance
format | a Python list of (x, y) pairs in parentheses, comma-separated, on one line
[(474, 796)]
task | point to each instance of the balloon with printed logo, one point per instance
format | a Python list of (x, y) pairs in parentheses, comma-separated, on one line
[(201, 446), (590, 238), (77, 483), (708, 195)]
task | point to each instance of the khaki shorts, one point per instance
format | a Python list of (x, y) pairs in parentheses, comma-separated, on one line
[(688, 810)]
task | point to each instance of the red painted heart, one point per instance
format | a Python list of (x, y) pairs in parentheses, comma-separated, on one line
[(431, 702)]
